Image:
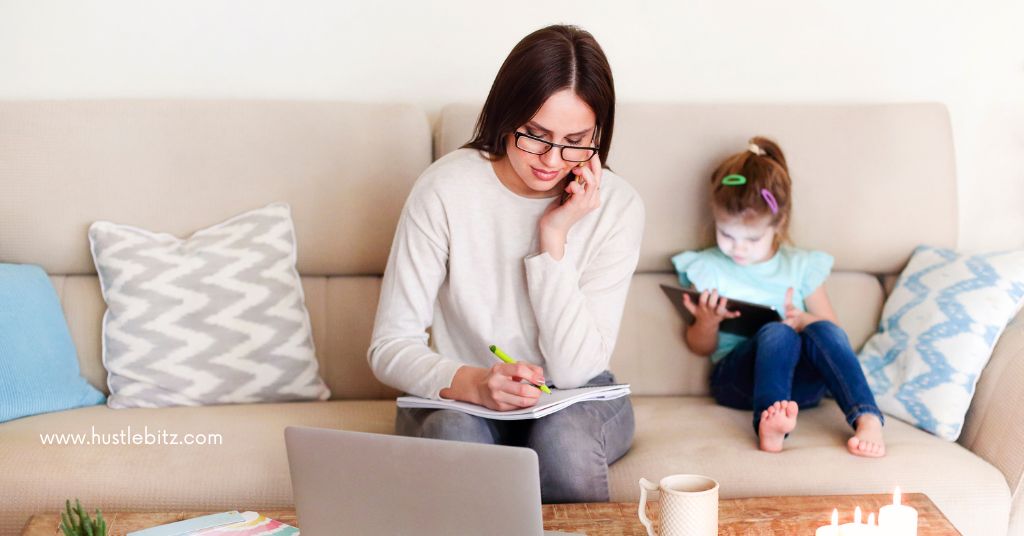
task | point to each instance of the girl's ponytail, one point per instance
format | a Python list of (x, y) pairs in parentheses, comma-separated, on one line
[(771, 150)]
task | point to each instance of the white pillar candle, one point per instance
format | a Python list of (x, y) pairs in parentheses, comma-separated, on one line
[(898, 519), (856, 528), (873, 528), (830, 530)]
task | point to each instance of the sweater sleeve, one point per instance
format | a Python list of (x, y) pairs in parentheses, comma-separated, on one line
[(578, 314), (417, 266)]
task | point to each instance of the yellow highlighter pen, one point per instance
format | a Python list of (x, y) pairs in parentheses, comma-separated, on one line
[(505, 357)]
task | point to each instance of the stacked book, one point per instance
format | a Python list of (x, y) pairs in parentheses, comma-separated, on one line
[(222, 524)]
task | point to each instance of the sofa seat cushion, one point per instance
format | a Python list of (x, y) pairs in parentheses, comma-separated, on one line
[(249, 470), (694, 435)]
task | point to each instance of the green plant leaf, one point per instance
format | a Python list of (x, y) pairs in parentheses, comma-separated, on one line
[(87, 525), (65, 525)]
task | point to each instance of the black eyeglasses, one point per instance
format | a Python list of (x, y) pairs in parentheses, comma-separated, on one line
[(535, 145)]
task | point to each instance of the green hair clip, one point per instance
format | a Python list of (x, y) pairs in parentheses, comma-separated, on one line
[(734, 180)]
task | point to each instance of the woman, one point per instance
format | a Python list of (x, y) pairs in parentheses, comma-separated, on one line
[(485, 235)]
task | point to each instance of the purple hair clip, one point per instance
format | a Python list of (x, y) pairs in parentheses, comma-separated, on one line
[(770, 199)]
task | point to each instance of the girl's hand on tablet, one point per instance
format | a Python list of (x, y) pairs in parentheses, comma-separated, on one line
[(711, 309)]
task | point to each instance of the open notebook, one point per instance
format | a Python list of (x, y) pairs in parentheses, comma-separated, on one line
[(558, 399)]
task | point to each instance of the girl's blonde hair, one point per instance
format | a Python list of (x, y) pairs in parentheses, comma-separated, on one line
[(767, 189)]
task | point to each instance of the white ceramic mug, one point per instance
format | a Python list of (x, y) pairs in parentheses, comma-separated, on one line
[(689, 505)]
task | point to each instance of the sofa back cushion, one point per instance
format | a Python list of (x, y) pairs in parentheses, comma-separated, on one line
[(870, 183), (177, 166)]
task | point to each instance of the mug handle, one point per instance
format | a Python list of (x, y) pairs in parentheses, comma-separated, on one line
[(645, 486)]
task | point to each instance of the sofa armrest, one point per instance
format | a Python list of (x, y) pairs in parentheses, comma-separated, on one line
[(994, 428)]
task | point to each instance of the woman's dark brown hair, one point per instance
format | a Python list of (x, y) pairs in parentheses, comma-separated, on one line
[(766, 171), (547, 61)]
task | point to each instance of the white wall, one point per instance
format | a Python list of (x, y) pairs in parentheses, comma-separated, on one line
[(967, 55)]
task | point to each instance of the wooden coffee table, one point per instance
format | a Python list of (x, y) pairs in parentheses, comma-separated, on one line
[(759, 516), (788, 516)]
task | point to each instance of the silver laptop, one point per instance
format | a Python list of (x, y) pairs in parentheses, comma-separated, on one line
[(360, 483)]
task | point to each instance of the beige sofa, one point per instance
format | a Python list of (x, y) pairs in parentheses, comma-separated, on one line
[(871, 182)]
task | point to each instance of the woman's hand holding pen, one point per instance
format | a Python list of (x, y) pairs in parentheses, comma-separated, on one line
[(498, 387), (502, 388)]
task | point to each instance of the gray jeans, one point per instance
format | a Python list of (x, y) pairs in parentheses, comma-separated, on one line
[(574, 446)]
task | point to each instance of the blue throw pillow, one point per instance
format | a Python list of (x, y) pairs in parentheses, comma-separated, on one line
[(38, 364), (939, 328)]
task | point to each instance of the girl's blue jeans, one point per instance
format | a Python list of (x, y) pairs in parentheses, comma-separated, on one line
[(778, 363)]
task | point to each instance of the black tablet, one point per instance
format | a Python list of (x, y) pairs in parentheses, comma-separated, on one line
[(752, 315)]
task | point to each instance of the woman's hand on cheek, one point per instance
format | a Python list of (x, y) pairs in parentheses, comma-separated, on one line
[(585, 198)]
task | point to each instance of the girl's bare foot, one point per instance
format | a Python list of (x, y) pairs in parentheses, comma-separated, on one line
[(867, 440), (777, 421)]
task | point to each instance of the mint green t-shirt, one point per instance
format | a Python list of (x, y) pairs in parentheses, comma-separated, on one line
[(764, 283)]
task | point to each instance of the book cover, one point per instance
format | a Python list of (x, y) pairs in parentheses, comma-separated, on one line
[(255, 524), (191, 526)]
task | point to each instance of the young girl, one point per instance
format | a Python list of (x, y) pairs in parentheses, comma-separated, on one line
[(786, 365)]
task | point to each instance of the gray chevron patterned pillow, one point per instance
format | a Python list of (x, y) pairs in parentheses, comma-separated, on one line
[(217, 318)]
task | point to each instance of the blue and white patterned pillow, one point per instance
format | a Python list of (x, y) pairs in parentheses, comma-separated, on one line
[(938, 329)]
